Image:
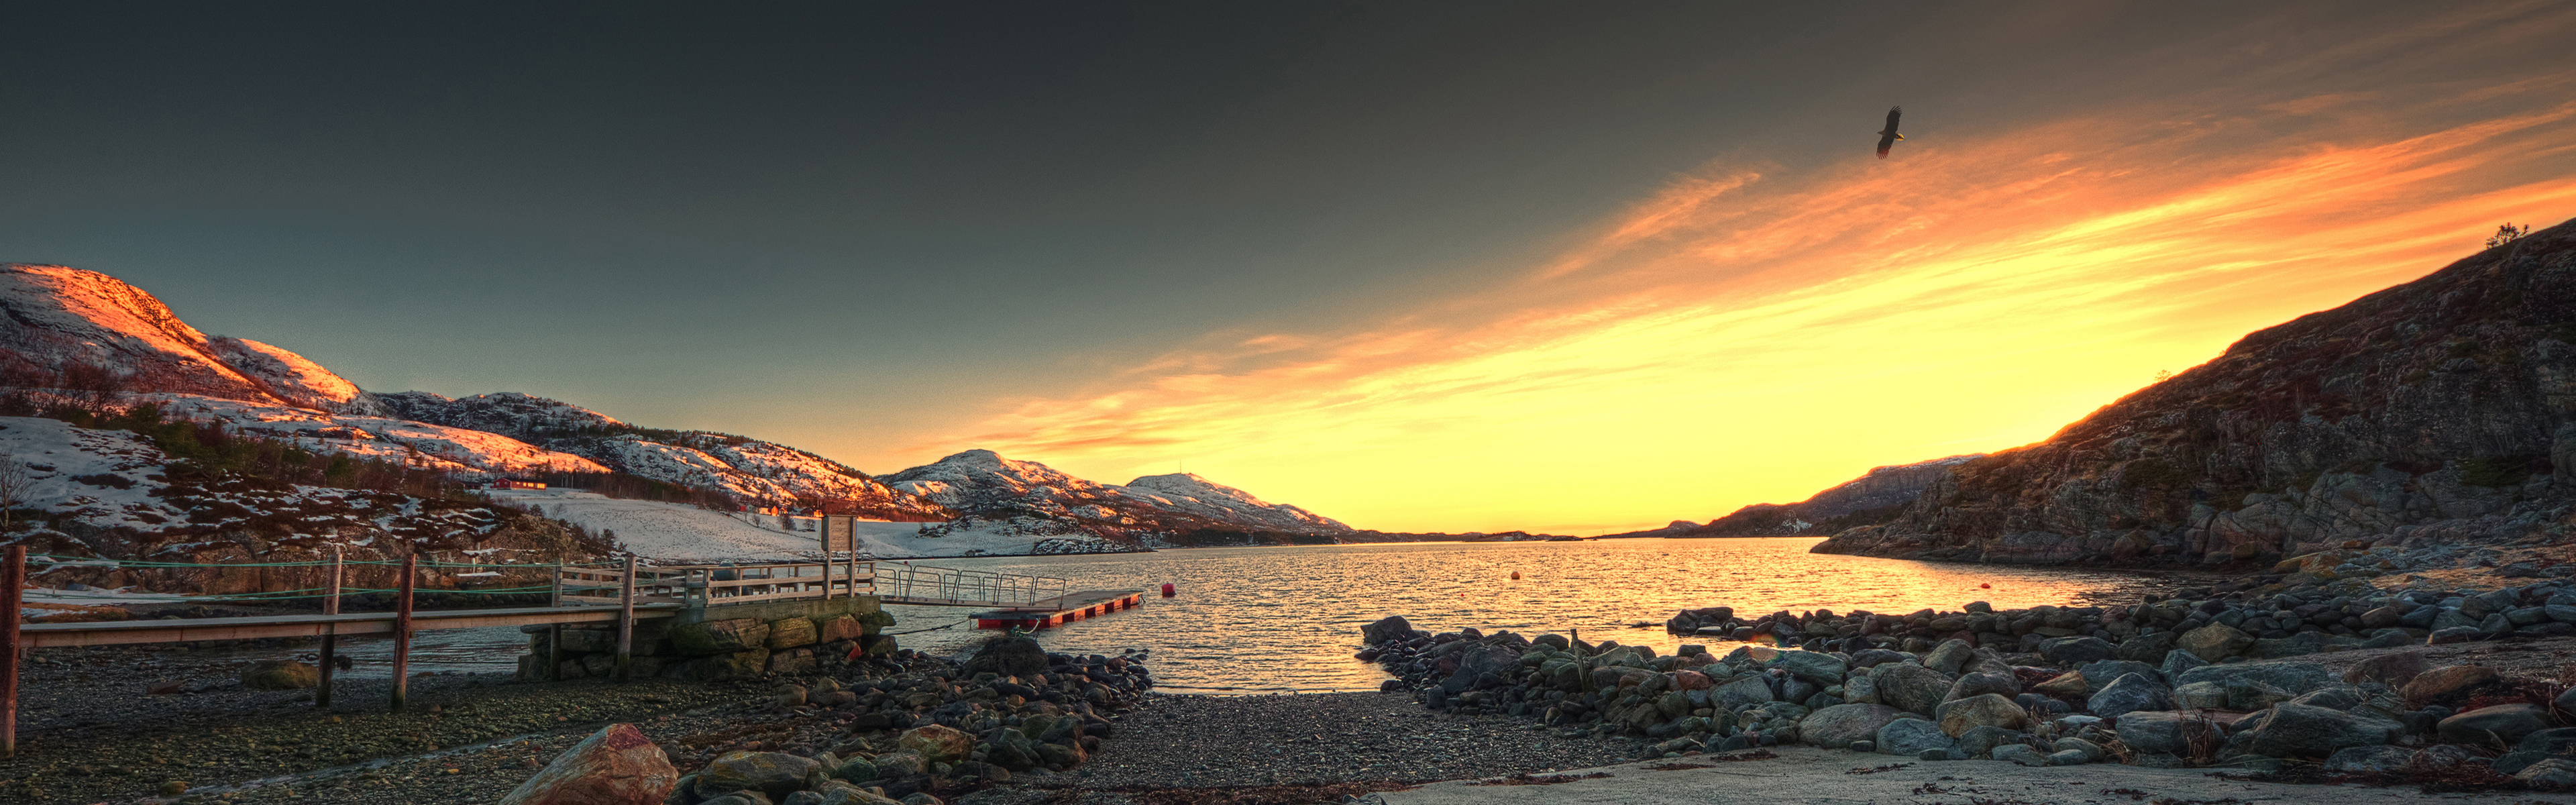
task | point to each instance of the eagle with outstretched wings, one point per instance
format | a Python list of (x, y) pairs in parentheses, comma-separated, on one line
[(1887, 138)]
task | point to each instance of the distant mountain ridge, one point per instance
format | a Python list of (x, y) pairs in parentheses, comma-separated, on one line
[(984, 484), (1871, 498), (88, 335)]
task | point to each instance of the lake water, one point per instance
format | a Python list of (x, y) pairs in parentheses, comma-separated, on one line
[(1275, 620)]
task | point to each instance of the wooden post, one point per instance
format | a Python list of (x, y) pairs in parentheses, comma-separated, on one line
[(554, 632), (330, 634), (402, 631), (626, 620), (14, 577)]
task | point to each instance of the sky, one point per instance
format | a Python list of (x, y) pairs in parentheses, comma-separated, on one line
[(1416, 266)]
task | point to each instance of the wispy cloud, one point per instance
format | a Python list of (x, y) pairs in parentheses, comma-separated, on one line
[(1750, 333)]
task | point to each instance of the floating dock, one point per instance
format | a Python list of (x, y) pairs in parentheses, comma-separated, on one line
[(1072, 607)]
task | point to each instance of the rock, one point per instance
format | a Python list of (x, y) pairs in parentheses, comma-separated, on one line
[(2499, 726), (615, 766), (2249, 693), (1980, 684), (2176, 663), (2455, 634), (1008, 656), (2393, 669), (2556, 741), (836, 628), (2098, 674), (856, 770), (2201, 696), (1392, 627), (2448, 687), (791, 633), (1980, 741), (771, 773), (719, 637), (2130, 692), (900, 764), (1861, 690), (936, 743), (2020, 753), (2215, 642), (854, 795), (2293, 677), (2069, 684), (737, 665), (1842, 724), (2091, 751), (1985, 710), (1749, 690), (1949, 656), (1911, 736), (2073, 652), (2301, 731), (2365, 759), (2069, 757), (1911, 688), (2333, 697), (2549, 772), (2165, 733), (280, 675), (2148, 648), (1825, 670)]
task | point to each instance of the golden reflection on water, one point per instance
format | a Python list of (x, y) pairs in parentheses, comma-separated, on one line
[(1287, 619)]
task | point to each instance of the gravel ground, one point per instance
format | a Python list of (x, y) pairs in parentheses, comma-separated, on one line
[(1325, 738)]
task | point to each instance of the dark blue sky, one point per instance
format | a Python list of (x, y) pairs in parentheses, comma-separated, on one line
[(860, 227)]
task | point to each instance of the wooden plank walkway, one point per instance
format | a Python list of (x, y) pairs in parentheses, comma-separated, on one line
[(1057, 612), (109, 633)]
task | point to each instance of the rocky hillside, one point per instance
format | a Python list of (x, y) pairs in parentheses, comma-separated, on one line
[(743, 468), (2444, 404), (1871, 498), (984, 484), (87, 331)]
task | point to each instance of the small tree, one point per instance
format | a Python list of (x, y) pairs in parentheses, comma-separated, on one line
[(786, 519), (2507, 233)]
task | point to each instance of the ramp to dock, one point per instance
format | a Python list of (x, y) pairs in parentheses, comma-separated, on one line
[(1061, 610)]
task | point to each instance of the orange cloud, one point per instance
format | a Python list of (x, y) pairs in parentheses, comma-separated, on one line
[(1750, 336)]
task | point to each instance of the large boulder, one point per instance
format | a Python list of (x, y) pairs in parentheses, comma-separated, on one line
[(1987, 710), (280, 675), (2302, 731), (1948, 657), (720, 637), (2392, 669), (2449, 687), (936, 743), (1008, 656), (2073, 652), (1741, 692), (737, 665), (774, 774), (1838, 726), (1910, 736), (2148, 647), (2129, 693), (791, 632), (2166, 732), (1391, 627), (615, 766), (2215, 642), (2500, 725), (2099, 674), (1825, 670), (1911, 688), (1980, 742), (836, 628), (2293, 677), (1980, 684)]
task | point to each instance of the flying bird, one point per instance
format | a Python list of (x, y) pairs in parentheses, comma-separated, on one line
[(1887, 139)]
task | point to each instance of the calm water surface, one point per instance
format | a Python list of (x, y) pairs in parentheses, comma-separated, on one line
[(1259, 620), (1268, 620)]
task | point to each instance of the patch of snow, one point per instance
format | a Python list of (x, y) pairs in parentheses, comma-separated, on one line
[(672, 531)]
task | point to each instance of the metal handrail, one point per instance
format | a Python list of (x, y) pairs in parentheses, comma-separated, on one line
[(700, 585)]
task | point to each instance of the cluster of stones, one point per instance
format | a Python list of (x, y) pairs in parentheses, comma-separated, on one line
[(1011, 708), (2166, 683), (739, 648)]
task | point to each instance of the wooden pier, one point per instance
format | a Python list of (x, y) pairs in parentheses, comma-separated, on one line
[(1060, 611), (610, 595)]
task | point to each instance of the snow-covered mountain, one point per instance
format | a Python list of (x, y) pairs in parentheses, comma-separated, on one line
[(746, 469), (89, 331), (420, 444), (984, 484)]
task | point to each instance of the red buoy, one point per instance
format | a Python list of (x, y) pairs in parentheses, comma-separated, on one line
[(1167, 589), (1516, 575)]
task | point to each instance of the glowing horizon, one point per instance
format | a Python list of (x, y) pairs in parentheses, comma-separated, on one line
[(1971, 295)]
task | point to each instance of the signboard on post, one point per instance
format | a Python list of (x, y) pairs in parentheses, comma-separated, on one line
[(840, 533)]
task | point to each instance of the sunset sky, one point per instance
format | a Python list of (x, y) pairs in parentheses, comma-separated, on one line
[(1415, 266)]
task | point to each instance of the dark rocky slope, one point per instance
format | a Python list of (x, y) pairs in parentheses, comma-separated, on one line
[(1872, 498), (2441, 407)]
